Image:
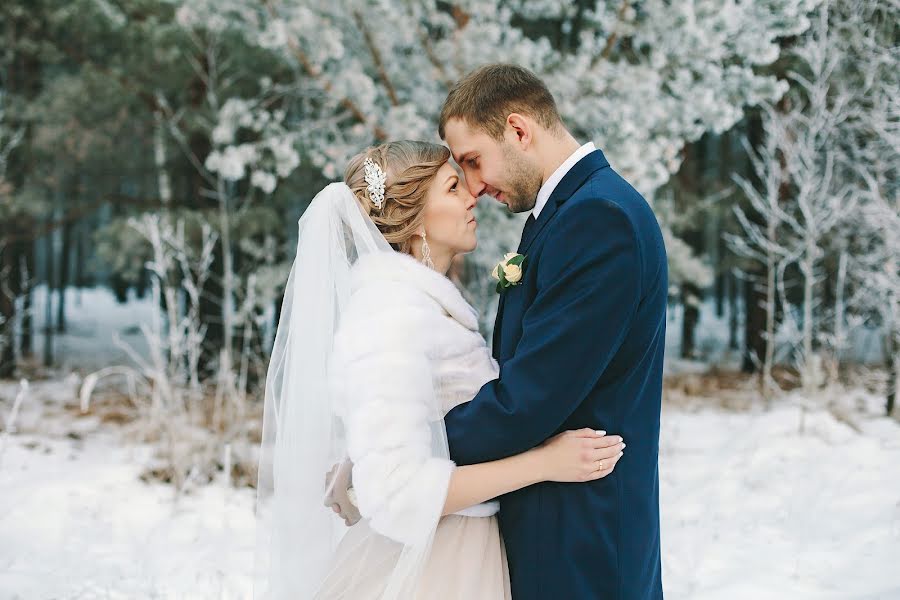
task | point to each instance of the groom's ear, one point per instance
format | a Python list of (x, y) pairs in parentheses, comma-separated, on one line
[(522, 129)]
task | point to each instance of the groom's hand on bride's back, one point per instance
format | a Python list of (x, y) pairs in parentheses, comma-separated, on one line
[(580, 455), (337, 493)]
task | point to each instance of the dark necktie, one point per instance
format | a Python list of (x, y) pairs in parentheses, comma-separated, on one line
[(528, 224)]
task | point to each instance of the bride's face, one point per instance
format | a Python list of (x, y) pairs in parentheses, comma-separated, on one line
[(449, 218)]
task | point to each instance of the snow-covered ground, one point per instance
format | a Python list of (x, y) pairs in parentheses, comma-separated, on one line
[(77, 522), (751, 506), (96, 328)]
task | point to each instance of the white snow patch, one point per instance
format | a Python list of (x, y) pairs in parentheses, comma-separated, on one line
[(751, 508), (77, 522), (93, 317)]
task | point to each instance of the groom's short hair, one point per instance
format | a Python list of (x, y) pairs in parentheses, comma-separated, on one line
[(484, 98)]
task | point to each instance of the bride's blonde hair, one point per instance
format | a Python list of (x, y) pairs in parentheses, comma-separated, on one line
[(410, 167)]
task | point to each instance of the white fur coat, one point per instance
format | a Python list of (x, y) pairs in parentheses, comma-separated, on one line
[(407, 350)]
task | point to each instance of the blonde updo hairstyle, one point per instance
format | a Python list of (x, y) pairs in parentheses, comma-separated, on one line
[(410, 167)]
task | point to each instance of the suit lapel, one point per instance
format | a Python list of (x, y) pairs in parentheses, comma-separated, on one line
[(546, 215), (495, 344), (529, 224), (569, 184)]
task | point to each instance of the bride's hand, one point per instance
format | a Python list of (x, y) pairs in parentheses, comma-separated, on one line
[(580, 455), (338, 486)]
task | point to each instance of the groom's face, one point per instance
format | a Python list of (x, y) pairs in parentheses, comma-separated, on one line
[(496, 168)]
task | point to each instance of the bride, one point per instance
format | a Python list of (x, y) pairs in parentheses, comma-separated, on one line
[(374, 345)]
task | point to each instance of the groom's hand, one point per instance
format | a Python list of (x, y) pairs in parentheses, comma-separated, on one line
[(337, 497)]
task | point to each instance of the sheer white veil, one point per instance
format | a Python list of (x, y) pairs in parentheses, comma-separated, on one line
[(302, 435)]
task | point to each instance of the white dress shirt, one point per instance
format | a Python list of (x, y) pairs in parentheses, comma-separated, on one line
[(558, 174)]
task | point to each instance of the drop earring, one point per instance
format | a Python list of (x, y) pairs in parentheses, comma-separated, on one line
[(426, 252)]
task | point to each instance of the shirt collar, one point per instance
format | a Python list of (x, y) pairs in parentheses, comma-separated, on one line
[(552, 181)]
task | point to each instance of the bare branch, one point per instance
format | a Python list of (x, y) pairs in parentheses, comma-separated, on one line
[(376, 58), (316, 74), (613, 37)]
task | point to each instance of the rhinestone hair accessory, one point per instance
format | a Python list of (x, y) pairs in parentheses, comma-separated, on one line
[(375, 177)]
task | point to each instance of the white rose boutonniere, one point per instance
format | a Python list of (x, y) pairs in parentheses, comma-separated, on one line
[(509, 271)]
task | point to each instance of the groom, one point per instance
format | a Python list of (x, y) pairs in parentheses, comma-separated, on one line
[(579, 340)]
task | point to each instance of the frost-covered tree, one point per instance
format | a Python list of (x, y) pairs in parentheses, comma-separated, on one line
[(826, 190), (759, 238), (869, 143), (10, 137), (639, 78), (864, 81), (819, 198), (142, 94), (880, 269)]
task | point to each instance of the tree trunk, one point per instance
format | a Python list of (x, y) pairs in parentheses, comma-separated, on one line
[(721, 276), (807, 364), (63, 279), (892, 358), (7, 311), (28, 278), (17, 283), (23, 78), (755, 294), (769, 362), (733, 316), (839, 312), (79, 258), (48, 299), (690, 300), (227, 297), (754, 325)]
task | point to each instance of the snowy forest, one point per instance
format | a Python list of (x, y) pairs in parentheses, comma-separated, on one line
[(155, 156)]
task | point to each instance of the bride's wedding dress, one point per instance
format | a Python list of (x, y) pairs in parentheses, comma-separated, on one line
[(372, 349), (408, 344)]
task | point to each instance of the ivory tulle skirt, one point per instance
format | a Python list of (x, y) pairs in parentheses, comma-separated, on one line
[(467, 562)]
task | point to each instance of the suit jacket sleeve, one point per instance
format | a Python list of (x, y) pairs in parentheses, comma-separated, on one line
[(588, 291)]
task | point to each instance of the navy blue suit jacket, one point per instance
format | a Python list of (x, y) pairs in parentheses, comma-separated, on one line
[(580, 344)]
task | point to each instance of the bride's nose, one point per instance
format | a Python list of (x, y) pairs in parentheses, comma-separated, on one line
[(471, 200)]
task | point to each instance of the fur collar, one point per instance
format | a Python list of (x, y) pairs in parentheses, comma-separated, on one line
[(404, 269)]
